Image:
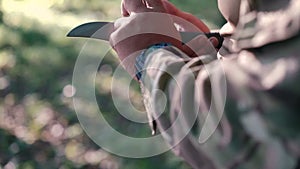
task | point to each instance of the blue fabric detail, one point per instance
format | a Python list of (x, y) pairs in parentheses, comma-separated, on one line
[(140, 60)]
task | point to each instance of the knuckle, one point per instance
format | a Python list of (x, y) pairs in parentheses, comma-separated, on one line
[(118, 23), (113, 37)]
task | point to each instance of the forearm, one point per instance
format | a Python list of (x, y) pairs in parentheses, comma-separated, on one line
[(170, 72)]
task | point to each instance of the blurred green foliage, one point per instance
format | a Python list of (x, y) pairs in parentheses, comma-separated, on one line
[(38, 125)]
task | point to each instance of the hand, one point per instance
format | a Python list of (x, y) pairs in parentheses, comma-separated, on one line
[(147, 24), (168, 7), (180, 18), (183, 27)]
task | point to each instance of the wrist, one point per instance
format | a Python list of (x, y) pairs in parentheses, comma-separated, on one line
[(141, 59)]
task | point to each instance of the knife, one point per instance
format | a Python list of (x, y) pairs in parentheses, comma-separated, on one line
[(90, 30)]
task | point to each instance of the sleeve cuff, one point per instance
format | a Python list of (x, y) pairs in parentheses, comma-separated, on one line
[(141, 59)]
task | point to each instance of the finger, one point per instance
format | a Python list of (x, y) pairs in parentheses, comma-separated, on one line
[(155, 5), (214, 41), (115, 35), (135, 6), (172, 9), (124, 12), (202, 46), (198, 46), (197, 22), (121, 21)]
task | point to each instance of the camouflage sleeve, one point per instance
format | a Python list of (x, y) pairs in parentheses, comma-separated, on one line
[(240, 112), (166, 71)]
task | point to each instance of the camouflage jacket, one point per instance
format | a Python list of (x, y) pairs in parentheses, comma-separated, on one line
[(238, 111)]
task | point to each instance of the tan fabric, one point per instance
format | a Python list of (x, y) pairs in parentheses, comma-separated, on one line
[(258, 28)]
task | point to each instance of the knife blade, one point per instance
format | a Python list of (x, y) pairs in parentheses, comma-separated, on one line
[(102, 31)]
